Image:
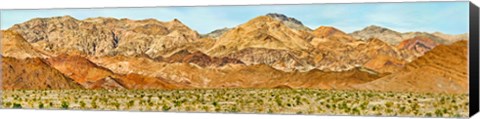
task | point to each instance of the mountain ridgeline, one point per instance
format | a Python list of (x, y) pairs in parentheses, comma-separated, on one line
[(267, 51)]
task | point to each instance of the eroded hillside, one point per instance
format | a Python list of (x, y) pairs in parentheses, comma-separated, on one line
[(269, 51)]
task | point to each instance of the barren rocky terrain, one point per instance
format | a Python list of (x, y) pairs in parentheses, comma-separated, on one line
[(268, 51)]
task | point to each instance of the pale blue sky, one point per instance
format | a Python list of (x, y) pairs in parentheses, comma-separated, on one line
[(446, 17)]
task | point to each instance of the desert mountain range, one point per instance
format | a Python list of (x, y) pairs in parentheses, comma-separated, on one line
[(270, 51)]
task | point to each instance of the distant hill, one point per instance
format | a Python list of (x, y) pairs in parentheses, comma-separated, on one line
[(443, 69), (394, 38)]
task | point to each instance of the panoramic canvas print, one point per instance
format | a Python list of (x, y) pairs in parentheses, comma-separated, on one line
[(371, 59)]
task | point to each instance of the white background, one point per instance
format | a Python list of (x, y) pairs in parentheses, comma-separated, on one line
[(72, 114)]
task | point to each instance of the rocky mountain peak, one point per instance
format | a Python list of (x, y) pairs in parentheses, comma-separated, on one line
[(325, 31), (66, 17), (283, 17), (105, 36), (374, 31), (332, 33), (289, 21), (268, 29), (375, 28), (175, 20), (451, 38), (177, 24), (217, 33), (265, 40)]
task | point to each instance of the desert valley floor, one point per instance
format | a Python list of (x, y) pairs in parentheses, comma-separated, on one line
[(266, 101)]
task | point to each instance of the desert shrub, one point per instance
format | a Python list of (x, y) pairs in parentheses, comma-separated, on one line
[(82, 104), (130, 103), (402, 109), (166, 108), (438, 113), (374, 108), (64, 105), (299, 112), (270, 111), (17, 105), (356, 111), (8, 104), (41, 106), (116, 104), (206, 108), (389, 104), (94, 105), (428, 114)]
